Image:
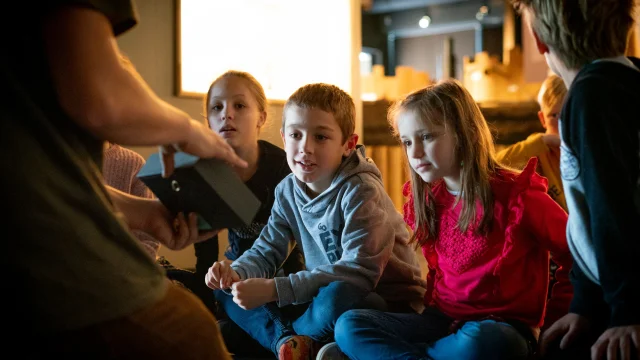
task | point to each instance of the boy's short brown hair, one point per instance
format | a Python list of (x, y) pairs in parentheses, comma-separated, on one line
[(581, 31), (552, 92), (327, 98)]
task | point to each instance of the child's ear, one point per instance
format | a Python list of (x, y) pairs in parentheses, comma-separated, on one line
[(542, 120), (263, 119), (350, 144), (282, 136), (542, 47)]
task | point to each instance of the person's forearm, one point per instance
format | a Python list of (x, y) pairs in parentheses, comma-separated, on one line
[(99, 91), (123, 202)]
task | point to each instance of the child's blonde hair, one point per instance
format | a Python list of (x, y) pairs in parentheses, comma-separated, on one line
[(254, 86), (449, 104), (327, 98), (580, 32), (552, 92)]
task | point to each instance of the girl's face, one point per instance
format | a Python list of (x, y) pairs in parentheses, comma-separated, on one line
[(430, 149), (233, 112)]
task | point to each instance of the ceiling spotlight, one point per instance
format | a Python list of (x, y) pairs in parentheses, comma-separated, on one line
[(424, 22), (482, 12), (387, 21)]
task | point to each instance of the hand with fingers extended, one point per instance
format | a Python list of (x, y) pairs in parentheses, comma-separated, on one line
[(567, 328), (618, 343), (252, 293), (221, 275), (204, 143)]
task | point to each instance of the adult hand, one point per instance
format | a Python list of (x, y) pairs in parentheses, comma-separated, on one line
[(620, 342), (153, 218), (176, 233), (569, 327), (184, 232), (202, 142)]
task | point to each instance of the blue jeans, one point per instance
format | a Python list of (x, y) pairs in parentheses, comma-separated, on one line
[(270, 325), (370, 334)]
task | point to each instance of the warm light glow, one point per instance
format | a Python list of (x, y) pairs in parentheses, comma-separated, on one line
[(424, 22), (476, 75), (366, 63), (369, 97), (484, 11), (283, 43)]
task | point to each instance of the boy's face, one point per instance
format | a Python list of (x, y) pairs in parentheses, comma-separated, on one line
[(314, 146), (548, 116)]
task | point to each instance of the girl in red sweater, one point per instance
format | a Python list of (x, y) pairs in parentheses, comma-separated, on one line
[(486, 232)]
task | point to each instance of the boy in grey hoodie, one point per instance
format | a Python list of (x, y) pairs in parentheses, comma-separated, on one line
[(334, 207)]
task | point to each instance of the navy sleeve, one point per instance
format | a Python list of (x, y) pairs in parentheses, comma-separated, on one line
[(602, 133), (588, 299)]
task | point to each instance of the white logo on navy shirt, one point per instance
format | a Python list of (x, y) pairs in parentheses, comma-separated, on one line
[(569, 164)]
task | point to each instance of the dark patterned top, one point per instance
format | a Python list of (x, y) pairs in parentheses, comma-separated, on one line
[(272, 168)]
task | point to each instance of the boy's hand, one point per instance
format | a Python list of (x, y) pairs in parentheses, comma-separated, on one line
[(221, 275), (252, 293), (569, 327), (621, 342)]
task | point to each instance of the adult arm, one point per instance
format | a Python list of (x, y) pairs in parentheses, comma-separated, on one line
[(104, 95)]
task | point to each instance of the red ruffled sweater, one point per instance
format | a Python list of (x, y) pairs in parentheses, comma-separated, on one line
[(504, 274)]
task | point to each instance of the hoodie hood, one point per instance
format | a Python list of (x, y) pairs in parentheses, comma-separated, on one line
[(356, 164)]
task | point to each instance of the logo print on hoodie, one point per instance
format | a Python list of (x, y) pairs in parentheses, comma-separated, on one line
[(329, 239)]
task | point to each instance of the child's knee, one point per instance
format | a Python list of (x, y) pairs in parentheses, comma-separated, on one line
[(490, 340), (347, 325), (352, 319), (338, 297), (342, 288)]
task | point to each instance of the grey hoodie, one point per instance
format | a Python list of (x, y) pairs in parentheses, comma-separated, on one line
[(350, 232)]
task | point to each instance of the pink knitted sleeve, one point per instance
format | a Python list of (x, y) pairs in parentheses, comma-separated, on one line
[(119, 169)]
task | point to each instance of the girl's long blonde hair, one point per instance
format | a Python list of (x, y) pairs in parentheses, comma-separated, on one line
[(449, 104)]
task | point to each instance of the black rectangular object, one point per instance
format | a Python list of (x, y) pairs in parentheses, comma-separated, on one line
[(208, 187)]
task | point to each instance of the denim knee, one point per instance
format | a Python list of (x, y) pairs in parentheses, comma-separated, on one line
[(485, 339), (349, 323), (336, 298), (342, 288)]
